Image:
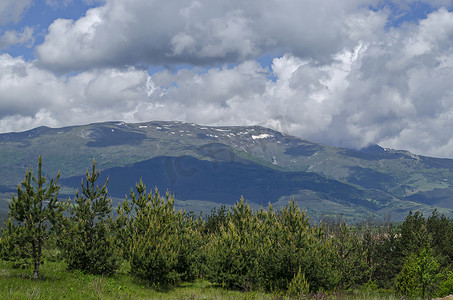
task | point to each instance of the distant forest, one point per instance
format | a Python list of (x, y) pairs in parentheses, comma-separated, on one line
[(236, 248)]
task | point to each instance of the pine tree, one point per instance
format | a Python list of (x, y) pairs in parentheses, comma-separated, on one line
[(440, 229), (29, 214), (414, 233), (87, 236), (420, 274), (161, 244), (154, 245)]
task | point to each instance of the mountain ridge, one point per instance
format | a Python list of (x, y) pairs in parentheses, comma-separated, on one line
[(380, 181)]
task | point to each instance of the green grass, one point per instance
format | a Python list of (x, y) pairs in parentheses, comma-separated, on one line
[(58, 283)]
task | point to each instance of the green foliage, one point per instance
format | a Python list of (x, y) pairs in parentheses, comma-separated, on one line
[(266, 250), (351, 257), (288, 245), (414, 233), (407, 280), (419, 275), (441, 237), (387, 259), (30, 212), (217, 219), (7, 247), (299, 286), (236, 248), (160, 244), (445, 287), (232, 251), (87, 237)]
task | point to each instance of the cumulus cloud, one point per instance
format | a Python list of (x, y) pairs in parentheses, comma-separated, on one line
[(350, 82), (398, 90), (13, 38), (395, 91), (205, 31), (13, 10), (31, 97)]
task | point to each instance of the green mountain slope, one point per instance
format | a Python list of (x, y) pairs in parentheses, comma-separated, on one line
[(207, 166)]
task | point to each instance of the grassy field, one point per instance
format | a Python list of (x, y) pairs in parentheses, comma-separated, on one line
[(58, 283)]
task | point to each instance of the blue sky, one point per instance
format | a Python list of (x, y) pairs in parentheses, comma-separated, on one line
[(39, 16), (347, 73)]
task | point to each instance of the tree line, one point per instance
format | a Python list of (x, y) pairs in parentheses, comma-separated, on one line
[(236, 248)]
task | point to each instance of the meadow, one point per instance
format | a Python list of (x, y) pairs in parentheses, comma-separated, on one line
[(57, 282)]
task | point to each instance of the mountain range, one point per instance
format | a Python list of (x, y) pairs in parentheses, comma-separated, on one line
[(205, 167)]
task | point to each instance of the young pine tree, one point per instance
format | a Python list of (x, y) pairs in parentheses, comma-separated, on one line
[(30, 212), (153, 237), (162, 245), (87, 236)]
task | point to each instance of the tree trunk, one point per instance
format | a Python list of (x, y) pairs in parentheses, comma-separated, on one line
[(35, 260), (36, 270), (37, 249)]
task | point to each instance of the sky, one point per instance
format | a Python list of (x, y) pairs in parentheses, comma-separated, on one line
[(346, 73)]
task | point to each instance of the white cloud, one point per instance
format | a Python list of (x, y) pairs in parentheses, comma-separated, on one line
[(12, 38), (433, 33), (13, 10), (58, 3), (399, 92), (376, 92), (21, 122), (347, 82), (204, 31), (30, 96)]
